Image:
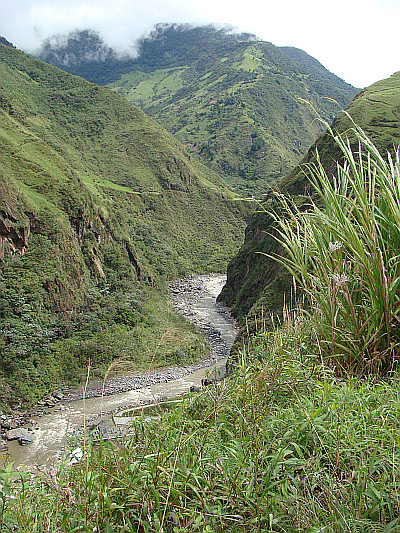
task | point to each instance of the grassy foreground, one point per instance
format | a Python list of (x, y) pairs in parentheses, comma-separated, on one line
[(281, 446)]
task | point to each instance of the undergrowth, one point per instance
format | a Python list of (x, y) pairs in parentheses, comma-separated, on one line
[(281, 446)]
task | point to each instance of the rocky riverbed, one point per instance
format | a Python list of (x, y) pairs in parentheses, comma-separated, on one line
[(194, 297), (185, 295)]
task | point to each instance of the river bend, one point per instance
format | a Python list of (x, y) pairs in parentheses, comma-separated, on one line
[(195, 298)]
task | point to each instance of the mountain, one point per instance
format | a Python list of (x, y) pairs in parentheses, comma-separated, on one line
[(84, 53), (313, 66), (256, 284), (234, 101), (99, 207), (4, 41)]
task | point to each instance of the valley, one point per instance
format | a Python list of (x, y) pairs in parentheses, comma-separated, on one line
[(126, 182), (100, 208)]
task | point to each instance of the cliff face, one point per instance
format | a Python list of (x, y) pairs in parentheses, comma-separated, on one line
[(256, 284), (13, 237), (15, 226)]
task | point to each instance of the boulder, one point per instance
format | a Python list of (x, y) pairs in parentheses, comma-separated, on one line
[(14, 434), (25, 439), (9, 424)]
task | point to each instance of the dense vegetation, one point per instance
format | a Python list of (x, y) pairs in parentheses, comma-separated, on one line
[(99, 207), (283, 445), (231, 99), (303, 437), (342, 250), (256, 284)]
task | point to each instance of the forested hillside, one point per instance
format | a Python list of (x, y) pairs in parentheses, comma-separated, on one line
[(233, 101), (99, 206)]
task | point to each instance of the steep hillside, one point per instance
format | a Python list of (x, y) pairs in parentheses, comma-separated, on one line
[(256, 284), (233, 100), (236, 105), (313, 66), (98, 206)]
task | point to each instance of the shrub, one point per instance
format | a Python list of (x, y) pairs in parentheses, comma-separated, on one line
[(343, 249)]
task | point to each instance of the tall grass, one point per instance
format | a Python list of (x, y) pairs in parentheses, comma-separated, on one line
[(343, 249), (279, 447)]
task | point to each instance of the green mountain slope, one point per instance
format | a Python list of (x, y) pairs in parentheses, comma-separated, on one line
[(98, 207), (236, 106), (313, 66), (257, 285), (234, 101)]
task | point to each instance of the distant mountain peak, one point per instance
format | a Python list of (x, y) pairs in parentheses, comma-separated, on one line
[(76, 47), (166, 28), (4, 41)]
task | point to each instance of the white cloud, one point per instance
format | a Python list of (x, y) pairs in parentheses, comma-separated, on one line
[(119, 21), (355, 39)]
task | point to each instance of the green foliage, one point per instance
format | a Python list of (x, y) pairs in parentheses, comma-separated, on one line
[(345, 255), (121, 318), (313, 66), (257, 285), (80, 121), (213, 89), (280, 446)]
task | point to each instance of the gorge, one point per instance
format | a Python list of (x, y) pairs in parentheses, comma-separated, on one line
[(105, 217)]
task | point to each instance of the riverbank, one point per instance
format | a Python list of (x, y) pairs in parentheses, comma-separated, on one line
[(185, 295), (283, 445), (65, 411)]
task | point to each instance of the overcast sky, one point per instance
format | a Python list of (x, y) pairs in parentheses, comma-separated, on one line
[(358, 40)]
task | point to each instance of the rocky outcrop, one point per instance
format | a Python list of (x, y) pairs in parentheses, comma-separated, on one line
[(98, 265), (13, 234), (4, 41), (15, 228)]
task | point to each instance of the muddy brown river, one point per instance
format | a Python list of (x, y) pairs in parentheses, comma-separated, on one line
[(52, 432)]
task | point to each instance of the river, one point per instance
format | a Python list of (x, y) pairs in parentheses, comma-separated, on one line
[(196, 299)]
